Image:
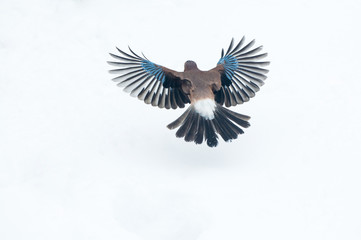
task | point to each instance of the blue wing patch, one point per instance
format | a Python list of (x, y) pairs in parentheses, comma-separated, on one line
[(154, 70)]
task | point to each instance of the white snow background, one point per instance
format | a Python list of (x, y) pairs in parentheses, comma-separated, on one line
[(81, 159)]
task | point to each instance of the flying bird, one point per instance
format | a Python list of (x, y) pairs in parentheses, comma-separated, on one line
[(237, 77)]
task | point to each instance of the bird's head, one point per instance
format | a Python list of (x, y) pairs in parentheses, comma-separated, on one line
[(190, 65)]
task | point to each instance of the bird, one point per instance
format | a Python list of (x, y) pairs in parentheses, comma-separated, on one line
[(237, 76)]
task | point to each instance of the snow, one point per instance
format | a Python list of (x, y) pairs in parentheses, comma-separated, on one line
[(81, 159)]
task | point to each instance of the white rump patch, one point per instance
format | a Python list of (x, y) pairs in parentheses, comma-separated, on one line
[(205, 108)]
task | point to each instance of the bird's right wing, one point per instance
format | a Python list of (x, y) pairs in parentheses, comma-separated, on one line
[(150, 82), (242, 74)]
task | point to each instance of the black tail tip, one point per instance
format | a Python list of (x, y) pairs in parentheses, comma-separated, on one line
[(212, 142)]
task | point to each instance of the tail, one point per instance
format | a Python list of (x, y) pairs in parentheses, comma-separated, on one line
[(194, 126)]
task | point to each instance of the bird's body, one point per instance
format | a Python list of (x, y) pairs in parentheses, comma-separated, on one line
[(233, 81), (203, 83)]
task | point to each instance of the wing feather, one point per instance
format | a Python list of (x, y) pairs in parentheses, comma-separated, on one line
[(150, 82), (242, 74)]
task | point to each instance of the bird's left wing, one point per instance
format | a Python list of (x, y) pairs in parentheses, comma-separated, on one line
[(242, 74), (150, 82)]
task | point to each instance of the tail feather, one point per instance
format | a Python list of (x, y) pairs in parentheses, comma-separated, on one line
[(211, 135), (219, 128), (183, 130), (189, 123), (226, 125), (236, 117), (200, 131), (179, 120), (194, 127), (235, 114), (191, 135), (235, 129)]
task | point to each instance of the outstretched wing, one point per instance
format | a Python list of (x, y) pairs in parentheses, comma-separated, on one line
[(242, 74), (148, 81)]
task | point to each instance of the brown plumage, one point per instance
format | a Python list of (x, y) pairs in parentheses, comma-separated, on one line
[(236, 78)]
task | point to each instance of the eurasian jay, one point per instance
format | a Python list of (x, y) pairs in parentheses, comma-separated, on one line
[(237, 77)]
